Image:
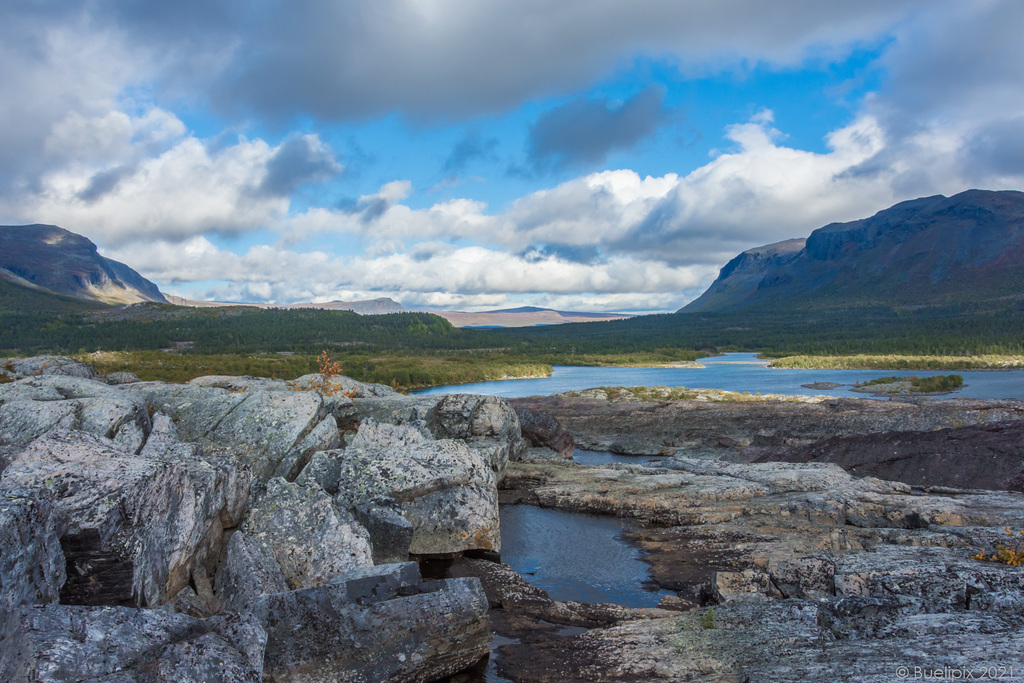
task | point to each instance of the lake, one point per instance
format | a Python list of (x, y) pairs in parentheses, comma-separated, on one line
[(735, 372)]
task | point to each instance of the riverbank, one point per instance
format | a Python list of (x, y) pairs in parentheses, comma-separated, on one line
[(900, 362)]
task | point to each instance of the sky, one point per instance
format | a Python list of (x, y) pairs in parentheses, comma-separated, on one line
[(592, 155)]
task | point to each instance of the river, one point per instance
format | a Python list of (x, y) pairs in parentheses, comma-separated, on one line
[(735, 372)]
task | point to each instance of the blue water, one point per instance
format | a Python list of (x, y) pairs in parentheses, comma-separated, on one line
[(582, 457), (735, 372), (575, 556)]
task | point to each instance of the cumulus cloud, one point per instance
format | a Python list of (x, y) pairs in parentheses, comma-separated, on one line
[(585, 131), (187, 190), (460, 276)]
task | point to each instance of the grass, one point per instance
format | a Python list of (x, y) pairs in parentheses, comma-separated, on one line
[(401, 372), (902, 362)]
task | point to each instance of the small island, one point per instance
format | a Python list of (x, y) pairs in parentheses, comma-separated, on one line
[(938, 384)]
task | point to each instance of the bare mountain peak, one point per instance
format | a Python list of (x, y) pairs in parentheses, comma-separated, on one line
[(53, 259)]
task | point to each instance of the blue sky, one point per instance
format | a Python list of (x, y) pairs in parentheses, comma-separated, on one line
[(581, 155)]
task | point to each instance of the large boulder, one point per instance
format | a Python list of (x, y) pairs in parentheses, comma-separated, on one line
[(133, 528), (266, 430), (340, 385), (123, 644), (542, 430), (310, 537), (444, 488), (487, 424), (375, 625)]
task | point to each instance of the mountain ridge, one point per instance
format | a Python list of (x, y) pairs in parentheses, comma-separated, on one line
[(968, 248), (51, 259)]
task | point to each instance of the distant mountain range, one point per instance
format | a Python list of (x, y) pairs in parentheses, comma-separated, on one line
[(966, 249), (524, 316), (52, 260), (44, 267)]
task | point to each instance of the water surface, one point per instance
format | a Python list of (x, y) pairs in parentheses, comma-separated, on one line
[(598, 458), (575, 556), (736, 372)]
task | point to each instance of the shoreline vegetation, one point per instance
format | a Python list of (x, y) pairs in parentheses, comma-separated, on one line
[(899, 362)]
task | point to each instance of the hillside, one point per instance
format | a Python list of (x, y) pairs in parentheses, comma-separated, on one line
[(935, 251), (52, 260)]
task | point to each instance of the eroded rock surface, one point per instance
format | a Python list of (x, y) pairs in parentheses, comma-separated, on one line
[(72, 643), (311, 538), (724, 429), (810, 573), (127, 516), (378, 624), (116, 493), (985, 456), (445, 489)]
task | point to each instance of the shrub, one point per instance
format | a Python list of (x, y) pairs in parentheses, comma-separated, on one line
[(329, 370), (1010, 553)]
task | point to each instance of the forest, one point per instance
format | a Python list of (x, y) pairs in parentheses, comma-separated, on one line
[(412, 350)]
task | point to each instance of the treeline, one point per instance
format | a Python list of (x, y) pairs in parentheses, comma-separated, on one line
[(445, 354), (220, 331), (868, 330)]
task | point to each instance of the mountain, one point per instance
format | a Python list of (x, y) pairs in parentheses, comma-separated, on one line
[(934, 251), (368, 307), (52, 260), (525, 316)]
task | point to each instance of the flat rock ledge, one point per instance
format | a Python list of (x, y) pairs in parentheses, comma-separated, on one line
[(240, 529), (802, 572)]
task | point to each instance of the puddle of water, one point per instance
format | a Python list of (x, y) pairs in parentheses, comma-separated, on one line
[(583, 457), (574, 556)]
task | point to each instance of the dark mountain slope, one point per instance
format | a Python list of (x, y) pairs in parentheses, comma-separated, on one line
[(935, 251), (61, 262)]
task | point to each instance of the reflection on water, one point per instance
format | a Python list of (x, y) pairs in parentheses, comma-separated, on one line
[(574, 556), (583, 457)]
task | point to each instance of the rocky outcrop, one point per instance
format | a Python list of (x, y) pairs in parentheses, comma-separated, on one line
[(133, 528), (310, 537), (71, 643), (120, 496), (263, 429), (379, 624), (986, 456), (445, 489), (37, 366), (34, 406), (487, 424), (741, 430), (250, 570), (808, 570), (31, 559)]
